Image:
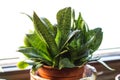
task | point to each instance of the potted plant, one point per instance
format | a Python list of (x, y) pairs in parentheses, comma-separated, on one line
[(64, 47)]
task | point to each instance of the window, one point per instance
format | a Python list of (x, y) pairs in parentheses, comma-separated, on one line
[(14, 25)]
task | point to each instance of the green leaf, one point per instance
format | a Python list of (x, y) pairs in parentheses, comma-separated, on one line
[(58, 38), (72, 34), (65, 63), (94, 58), (33, 53), (97, 39), (93, 42), (37, 42), (83, 59), (64, 24), (28, 16), (50, 26), (81, 24), (36, 66), (22, 64), (64, 19), (27, 42), (41, 29), (63, 52), (73, 20), (83, 27), (85, 46), (105, 65)]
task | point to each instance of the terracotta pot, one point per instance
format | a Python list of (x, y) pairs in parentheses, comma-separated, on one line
[(90, 73), (63, 74)]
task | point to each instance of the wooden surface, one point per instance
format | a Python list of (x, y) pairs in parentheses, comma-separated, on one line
[(15, 75), (105, 74)]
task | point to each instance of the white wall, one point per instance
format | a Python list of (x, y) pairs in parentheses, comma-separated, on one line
[(97, 13)]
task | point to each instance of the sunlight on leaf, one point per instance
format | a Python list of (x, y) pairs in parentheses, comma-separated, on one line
[(22, 64)]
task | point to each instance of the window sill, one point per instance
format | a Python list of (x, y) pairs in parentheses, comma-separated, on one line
[(11, 66), (11, 72)]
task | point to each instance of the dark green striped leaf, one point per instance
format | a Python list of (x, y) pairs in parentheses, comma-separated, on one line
[(41, 29)]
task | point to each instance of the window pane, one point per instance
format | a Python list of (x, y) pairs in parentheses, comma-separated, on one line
[(14, 25)]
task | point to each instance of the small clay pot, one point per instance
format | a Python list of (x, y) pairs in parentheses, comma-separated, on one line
[(64, 74)]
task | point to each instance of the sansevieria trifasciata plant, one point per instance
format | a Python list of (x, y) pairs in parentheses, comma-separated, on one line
[(66, 44)]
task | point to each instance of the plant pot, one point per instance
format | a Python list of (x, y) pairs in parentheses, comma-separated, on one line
[(63, 74), (48, 73)]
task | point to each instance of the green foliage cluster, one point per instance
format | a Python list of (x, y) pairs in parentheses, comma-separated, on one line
[(67, 44)]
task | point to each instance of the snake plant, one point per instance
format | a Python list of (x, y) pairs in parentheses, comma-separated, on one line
[(66, 44)]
